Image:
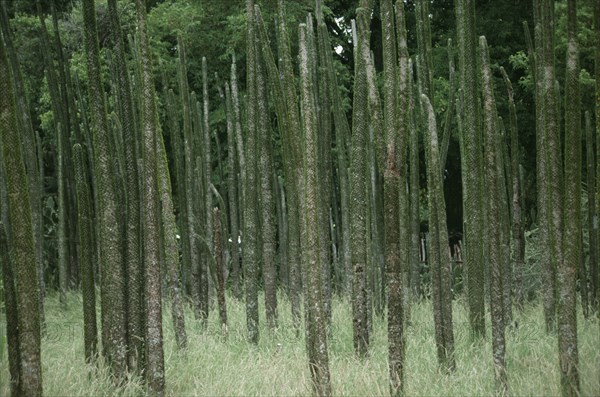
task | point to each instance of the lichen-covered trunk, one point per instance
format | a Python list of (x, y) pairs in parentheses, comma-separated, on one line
[(551, 185), (154, 356), (219, 268), (517, 226), (472, 163), (316, 324), (358, 189), (494, 212), (112, 294), (567, 269), (251, 221), (86, 253), (133, 262), (293, 168), (241, 157), (439, 253), (10, 307), (232, 194), (592, 269), (22, 247), (170, 247), (268, 231)]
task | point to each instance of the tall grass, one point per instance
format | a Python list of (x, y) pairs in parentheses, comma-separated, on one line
[(218, 365)]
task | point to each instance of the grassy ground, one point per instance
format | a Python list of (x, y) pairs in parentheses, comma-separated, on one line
[(216, 366)]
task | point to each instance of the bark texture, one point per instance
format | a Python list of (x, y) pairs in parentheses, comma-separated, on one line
[(22, 247), (316, 322)]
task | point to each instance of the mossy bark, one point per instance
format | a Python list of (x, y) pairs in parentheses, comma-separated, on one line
[(494, 213), (472, 164), (86, 253), (154, 356), (112, 292), (316, 324), (133, 261), (567, 269), (251, 219), (22, 247), (358, 189)]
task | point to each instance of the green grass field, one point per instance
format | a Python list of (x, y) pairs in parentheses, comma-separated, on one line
[(215, 365)]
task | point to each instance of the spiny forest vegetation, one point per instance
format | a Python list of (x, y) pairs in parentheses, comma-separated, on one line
[(294, 197)]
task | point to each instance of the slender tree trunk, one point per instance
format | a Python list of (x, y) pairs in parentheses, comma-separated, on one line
[(112, 292), (155, 372), (552, 184), (133, 261), (471, 164), (22, 245), (171, 250), (396, 98), (567, 270), (517, 227), (494, 243), (232, 182), (86, 254), (268, 230), (208, 208), (358, 188), (292, 140), (592, 216), (316, 325), (251, 226), (219, 268), (12, 317), (439, 253)]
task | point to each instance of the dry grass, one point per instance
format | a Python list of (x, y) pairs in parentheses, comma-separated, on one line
[(215, 365)]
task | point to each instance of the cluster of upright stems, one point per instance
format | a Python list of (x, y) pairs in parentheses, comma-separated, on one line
[(342, 215)]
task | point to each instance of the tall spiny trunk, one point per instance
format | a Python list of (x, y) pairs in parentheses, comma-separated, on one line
[(494, 243), (518, 230), (109, 237), (190, 246), (86, 254), (323, 103), (551, 185), (133, 261), (232, 190), (11, 310), (251, 250), (592, 270), (10, 297), (396, 97), (472, 163), (241, 158), (439, 255), (292, 166), (22, 245), (358, 188), (268, 230), (414, 189), (567, 269), (316, 325), (171, 250), (155, 372), (206, 173), (24, 123), (595, 274)]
